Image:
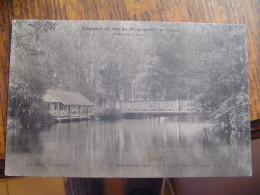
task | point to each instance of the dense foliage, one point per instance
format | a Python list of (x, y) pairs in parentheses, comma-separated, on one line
[(198, 64), (108, 112)]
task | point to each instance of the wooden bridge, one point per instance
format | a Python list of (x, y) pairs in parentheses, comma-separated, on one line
[(178, 106)]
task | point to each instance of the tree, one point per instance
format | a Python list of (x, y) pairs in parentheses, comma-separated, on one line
[(28, 81)]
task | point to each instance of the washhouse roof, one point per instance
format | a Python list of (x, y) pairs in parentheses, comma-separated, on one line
[(66, 98)]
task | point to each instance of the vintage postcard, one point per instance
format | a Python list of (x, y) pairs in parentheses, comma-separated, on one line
[(128, 99)]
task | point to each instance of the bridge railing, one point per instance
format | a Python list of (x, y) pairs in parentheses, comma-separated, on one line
[(178, 106)]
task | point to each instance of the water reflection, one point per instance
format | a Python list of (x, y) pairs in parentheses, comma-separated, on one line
[(96, 147), (123, 135), (24, 141)]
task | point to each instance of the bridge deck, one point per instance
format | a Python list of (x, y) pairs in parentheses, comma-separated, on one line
[(178, 106)]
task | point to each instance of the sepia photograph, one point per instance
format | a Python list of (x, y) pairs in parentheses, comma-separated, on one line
[(128, 99)]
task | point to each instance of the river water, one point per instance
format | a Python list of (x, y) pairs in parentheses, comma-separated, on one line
[(145, 147)]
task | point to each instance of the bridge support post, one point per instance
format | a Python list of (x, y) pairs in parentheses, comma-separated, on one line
[(68, 111), (177, 103), (58, 110)]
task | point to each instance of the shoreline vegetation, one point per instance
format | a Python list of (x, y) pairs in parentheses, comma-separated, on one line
[(108, 112)]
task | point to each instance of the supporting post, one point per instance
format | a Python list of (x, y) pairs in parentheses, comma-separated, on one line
[(79, 111), (179, 128), (177, 103), (68, 111), (58, 110), (87, 111)]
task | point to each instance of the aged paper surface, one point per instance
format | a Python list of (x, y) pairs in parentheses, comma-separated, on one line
[(128, 99)]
